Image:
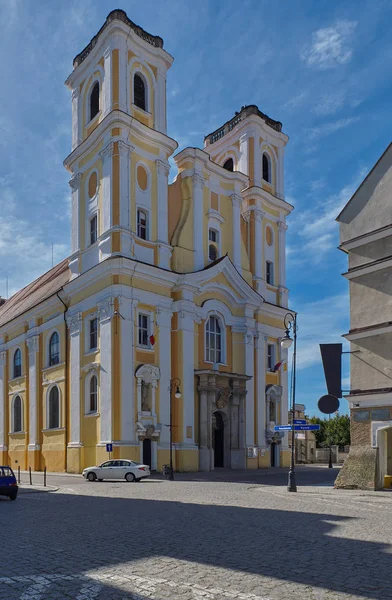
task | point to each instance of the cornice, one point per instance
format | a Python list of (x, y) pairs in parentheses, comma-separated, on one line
[(274, 202)]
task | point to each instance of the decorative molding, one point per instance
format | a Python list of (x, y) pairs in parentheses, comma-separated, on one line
[(33, 343), (282, 226), (105, 310), (107, 152), (198, 181), (93, 366), (163, 168), (3, 358), (148, 373), (74, 323), (75, 181), (236, 200), (124, 148)]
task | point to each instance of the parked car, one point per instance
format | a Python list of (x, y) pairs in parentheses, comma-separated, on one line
[(8, 484), (117, 469)]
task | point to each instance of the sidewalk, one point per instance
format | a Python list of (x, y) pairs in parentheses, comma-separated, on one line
[(26, 488)]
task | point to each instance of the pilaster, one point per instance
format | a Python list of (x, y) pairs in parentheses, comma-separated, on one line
[(186, 329), (33, 348), (236, 200), (160, 102), (125, 152), (198, 214), (163, 318), (105, 314), (249, 370), (259, 251), (3, 438), (74, 323), (75, 187), (162, 171), (126, 323), (107, 82), (261, 345), (243, 165), (76, 126)]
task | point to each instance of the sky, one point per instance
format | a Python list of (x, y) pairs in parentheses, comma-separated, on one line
[(321, 68)]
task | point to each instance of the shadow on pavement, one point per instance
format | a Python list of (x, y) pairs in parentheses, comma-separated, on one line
[(74, 534)]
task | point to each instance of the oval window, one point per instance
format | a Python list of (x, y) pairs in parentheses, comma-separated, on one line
[(92, 185), (142, 178), (269, 236)]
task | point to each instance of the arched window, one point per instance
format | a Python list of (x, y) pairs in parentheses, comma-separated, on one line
[(139, 92), (94, 101), (54, 349), (17, 415), (266, 167), (17, 363), (54, 408), (229, 165), (213, 340), (93, 399)]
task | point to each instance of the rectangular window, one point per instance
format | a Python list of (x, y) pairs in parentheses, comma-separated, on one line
[(142, 225), (143, 330), (93, 334), (213, 235), (93, 230), (269, 272), (270, 356)]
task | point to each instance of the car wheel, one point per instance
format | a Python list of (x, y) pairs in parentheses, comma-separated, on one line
[(91, 476), (13, 497), (130, 477)]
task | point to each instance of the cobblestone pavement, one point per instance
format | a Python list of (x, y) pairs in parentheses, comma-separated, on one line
[(197, 538)]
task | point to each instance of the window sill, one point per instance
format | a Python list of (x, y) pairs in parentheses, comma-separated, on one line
[(145, 348), (91, 351), (220, 364), (92, 414), (15, 379), (141, 110), (62, 364), (48, 429), (94, 119), (17, 433)]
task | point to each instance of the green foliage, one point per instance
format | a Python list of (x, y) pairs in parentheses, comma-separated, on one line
[(333, 432)]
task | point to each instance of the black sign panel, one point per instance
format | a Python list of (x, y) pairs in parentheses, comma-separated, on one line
[(331, 355), (328, 404)]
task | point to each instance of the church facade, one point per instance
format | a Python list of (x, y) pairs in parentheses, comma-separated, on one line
[(179, 285)]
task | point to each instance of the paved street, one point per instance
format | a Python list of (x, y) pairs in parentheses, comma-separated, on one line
[(238, 536)]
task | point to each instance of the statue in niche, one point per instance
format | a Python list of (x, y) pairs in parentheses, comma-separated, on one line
[(146, 396)]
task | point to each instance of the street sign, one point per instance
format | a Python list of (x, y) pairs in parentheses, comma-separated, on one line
[(299, 421), (109, 447), (297, 427)]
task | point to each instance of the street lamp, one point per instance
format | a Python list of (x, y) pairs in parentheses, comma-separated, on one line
[(174, 386), (290, 323)]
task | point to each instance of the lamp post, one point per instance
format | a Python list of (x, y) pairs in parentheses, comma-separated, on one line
[(330, 465), (174, 385), (290, 323)]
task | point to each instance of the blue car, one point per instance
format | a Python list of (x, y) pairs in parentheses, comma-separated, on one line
[(8, 484)]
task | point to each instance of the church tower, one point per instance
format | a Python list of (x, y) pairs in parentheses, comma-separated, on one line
[(119, 160)]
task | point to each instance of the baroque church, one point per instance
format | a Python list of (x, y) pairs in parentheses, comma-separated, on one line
[(166, 318)]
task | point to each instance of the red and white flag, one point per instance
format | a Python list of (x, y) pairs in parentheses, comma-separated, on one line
[(278, 365)]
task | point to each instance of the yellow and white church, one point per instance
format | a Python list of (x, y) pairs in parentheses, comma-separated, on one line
[(180, 283)]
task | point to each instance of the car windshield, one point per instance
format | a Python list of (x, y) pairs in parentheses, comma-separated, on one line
[(6, 472)]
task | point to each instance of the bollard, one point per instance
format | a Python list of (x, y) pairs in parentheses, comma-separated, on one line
[(18, 474), (44, 476), (31, 481)]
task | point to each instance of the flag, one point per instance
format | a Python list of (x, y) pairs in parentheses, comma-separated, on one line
[(152, 340), (278, 365)]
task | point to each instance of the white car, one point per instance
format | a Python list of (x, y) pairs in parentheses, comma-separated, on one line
[(117, 469)]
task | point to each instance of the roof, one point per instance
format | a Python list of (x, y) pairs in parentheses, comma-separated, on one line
[(245, 111), (373, 173), (36, 292), (120, 15)]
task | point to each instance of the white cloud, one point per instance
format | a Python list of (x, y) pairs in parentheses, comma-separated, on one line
[(296, 101), (328, 128), (330, 46), (328, 104)]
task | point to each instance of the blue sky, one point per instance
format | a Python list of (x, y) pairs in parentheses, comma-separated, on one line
[(322, 68)]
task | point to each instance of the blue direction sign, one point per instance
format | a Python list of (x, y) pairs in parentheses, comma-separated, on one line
[(299, 421), (109, 447), (297, 427)]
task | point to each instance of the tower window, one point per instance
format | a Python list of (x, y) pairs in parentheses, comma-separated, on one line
[(270, 358), (213, 340), (139, 92), (213, 248), (17, 415), (54, 349), (93, 334), (266, 168), (143, 330), (142, 224), (94, 101), (17, 363), (229, 165), (93, 229), (269, 272)]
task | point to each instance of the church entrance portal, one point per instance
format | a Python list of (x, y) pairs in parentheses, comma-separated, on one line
[(147, 452), (218, 439), (273, 454)]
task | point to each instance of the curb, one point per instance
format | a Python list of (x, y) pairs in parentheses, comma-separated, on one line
[(31, 489)]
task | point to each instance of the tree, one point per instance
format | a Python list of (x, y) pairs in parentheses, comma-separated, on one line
[(333, 432)]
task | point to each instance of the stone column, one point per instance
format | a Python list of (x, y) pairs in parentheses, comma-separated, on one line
[(105, 311), (160, 102), (258, 162), (162, 170), (128, 429), (139, 396), (243, 164), (259, 250), (3, 397), (125, 151), (76, 118), (283, 292), (106, 156), (198, 214), (261, 345), (186, 329), (33, 348), (237, 203), (163, 318), (122, 79), (154, 386), (249, 370), (74, 323)]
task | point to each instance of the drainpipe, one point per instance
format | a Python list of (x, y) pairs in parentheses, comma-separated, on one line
[(66, 381)]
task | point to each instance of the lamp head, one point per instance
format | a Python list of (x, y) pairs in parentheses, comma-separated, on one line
[(286, 341), (177, 392)]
